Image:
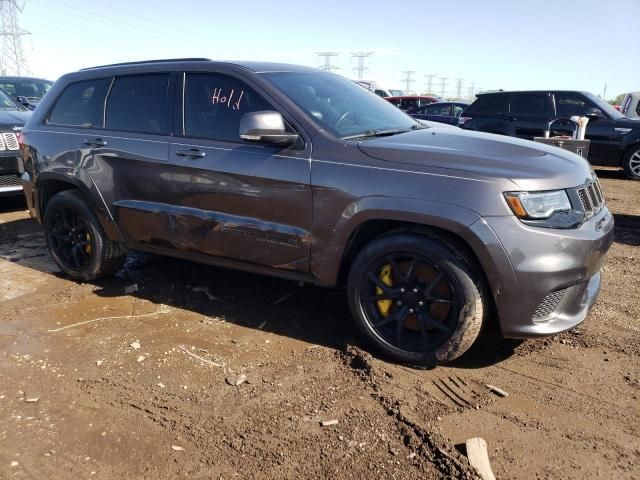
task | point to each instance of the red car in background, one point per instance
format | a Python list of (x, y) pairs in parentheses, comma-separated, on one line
[(410, 102)]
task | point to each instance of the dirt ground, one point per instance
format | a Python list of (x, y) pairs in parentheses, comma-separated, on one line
[(98, 381)]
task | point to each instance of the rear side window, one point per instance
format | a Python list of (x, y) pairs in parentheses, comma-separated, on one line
[(214, 104), (81, 104), (438, 110), (490, 104), (569, 104), (529, 104), (138, 104), (409, 103)]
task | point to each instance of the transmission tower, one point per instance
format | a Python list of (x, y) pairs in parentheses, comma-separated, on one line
[(459, 87), (429, 83), (443, 84), (327, 56), (408, 80), (472, 89), (360, 69), (13, 60)]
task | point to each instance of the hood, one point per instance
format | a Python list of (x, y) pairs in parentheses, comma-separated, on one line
[(14, 117), (532, 166)]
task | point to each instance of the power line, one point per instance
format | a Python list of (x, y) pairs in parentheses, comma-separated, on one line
[(429, 83), (327, 56), (408, 80), (13, 60), (459, 87), (360, 69)]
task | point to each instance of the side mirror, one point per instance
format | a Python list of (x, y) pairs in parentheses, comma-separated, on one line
[(594, 113), (266, 127), (23, 100)]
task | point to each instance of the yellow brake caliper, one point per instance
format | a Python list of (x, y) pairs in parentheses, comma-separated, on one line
[(385, 276), (88, 247)]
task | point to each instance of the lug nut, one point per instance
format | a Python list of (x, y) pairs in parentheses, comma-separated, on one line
[(415, 290), (411, 310), (399, 303), (421, 303), (402, 290)]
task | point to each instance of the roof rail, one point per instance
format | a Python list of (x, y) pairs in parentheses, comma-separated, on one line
[(143, 62)]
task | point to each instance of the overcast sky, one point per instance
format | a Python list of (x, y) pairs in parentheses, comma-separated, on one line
[(566, 44)]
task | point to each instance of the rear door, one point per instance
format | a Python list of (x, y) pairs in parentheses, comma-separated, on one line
[(130, 157), (529, 114), (234, 199)]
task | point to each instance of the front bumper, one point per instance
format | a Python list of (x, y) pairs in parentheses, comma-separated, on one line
[(10, 170), (555, 277)]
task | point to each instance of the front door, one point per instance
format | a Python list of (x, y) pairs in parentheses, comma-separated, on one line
[(529, 114), (234, 199)]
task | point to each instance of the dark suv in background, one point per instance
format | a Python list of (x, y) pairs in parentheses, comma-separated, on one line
[(303, 174), (13, 116), (615, 139), (26, 90)]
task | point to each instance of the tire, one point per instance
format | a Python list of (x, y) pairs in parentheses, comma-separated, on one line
[(77, 241), (430, 292), (631, 163)]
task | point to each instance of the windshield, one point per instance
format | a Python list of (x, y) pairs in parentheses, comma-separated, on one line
[(605, 106), (341, 106), (8, 103), (31, 89)]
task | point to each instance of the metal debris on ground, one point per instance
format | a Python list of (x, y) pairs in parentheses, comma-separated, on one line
[(284, 298), (479, 457), (99, 362), (135, 345), (141, 358), (31, 398), (177, 448), (161, 385), (186, 350), (206, 291), (328, 423), (236, 381), (497, 391), (131, 288)]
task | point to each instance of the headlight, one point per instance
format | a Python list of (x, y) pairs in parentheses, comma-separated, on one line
[(538, 205)]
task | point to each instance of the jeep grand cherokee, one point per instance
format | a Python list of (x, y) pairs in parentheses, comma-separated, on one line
[(303, 174)]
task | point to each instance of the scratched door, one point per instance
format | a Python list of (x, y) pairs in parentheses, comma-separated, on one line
[(236, 199)]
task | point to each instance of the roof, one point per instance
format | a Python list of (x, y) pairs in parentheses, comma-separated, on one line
[(11, 78), (411, 97), (257, 67), (509, 92)]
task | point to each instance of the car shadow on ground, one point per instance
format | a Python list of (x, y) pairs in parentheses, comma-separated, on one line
[(627, 230), (613, 173)]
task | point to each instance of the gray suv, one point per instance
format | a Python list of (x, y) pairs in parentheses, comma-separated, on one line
[(302, 174)]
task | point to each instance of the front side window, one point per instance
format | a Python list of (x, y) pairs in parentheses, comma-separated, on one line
[(214, 104), (529, 104), (340, 106), (138, 104), (81, 104), (570, 104)]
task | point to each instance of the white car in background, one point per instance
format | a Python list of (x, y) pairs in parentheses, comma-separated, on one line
[(630, 105)]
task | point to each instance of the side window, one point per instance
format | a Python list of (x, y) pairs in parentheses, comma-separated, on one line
[(569, 104), (529, 104), (492, 104), (214, 104), (138, 104), (457, 110), (81, 104)]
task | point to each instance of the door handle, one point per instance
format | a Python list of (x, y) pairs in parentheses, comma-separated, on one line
[(95, 142), (190, 153)]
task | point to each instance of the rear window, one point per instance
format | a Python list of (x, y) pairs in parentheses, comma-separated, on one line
[(490, 104), (138, 104), (81, 104), (529, 104)]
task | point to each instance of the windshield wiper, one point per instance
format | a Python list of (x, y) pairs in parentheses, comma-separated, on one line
[(376, 133)]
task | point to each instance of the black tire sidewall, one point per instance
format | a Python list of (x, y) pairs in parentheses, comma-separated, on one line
[(76, 201), (470, 316)]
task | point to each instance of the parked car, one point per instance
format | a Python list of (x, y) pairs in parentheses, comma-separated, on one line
[(301, 174), (443, 112), (411, 102), (27, 90), (396, 93), (374, 87), (13, 116), (630, 105), (615, 139)]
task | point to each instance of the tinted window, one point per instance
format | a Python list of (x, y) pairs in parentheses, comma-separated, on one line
[(532, 104), (409, 103), (138, 104), (570, 104), (32, 89), (214, 104), (457, 110), (438, 110), (490, 104), (81, 104)]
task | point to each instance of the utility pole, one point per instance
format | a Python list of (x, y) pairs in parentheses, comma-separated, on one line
[(408, 80), (459, 87), (360, 69), (472, 90), (443, 84), (13, 60), (429, 84), (327, 56)]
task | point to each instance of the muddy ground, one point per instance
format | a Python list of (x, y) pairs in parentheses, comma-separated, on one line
[(77, 400)]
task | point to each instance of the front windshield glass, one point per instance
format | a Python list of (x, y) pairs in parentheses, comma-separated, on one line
[(341, 106), (31, 89), (7, 103), (605, 107)]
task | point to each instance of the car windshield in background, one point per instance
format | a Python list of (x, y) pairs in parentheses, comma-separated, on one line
[(8, 103), (604, 106), (341, 106), (31, 89)]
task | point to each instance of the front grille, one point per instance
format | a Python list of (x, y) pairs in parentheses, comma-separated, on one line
[(549, 304), (12, 180), (9, 141), (591, 198)]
